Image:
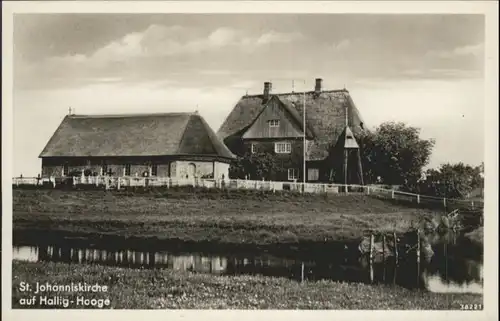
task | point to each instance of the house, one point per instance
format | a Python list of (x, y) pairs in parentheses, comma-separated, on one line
[(172, 144), (273, 123)]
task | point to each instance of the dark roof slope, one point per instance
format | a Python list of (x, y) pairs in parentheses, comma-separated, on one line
[(325, 114), (135, 135)]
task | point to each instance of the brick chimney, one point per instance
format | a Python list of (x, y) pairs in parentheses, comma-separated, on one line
[(267, 90), (317, 88)]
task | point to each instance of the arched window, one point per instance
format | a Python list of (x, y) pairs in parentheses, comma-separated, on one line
[(191, 170)]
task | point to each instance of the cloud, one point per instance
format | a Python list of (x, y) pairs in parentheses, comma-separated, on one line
[(127, 47), (464, 51), (341, 45), (158, 40), (156, 51), (440, 73), (277, 37), (222, 37)]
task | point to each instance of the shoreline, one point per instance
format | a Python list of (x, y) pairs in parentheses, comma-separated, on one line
[(157, 289)]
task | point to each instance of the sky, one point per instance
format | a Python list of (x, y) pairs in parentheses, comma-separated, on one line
[(424, 70)]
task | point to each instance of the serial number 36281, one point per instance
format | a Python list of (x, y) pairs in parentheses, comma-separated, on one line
[(471, 306)]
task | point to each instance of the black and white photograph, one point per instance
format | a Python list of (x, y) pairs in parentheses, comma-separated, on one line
[(249, 160)]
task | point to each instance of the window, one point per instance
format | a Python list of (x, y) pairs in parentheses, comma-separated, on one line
[(293, 174), (312, 174), (253, 148), (127, 170), (104, 169), (154, 169), (65, 169), (274, 123), (282, 148)]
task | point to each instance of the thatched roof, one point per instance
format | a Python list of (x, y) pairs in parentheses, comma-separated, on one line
[(325, 115), (135, 135)]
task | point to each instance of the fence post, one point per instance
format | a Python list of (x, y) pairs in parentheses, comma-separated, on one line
[(395, 247), (372, 241), (444, 202), (118, 183), (383, 257), (368, 190), (418, 198), (472, 204), (302, 272), (392, 194), (418, 258)]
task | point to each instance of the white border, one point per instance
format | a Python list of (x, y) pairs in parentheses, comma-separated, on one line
[(488, 8)]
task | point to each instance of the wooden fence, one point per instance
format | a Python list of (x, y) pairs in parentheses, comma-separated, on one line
[(108, 182)]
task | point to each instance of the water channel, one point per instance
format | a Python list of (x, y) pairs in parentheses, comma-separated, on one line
[(456, 266)]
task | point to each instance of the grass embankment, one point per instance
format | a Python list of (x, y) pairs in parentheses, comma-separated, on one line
[(153, 289), (233, 218)]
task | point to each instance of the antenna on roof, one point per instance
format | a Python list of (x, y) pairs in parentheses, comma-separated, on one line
[(69, 110), (346, 111), (196, 111)]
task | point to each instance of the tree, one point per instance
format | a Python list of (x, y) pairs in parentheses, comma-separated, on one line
[(395, 153), (256, 166), (452, 180)]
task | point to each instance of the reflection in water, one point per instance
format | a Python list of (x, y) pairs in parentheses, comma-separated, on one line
[(448, 271), (436, 283)]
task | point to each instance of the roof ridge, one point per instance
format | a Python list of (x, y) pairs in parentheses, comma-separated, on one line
[(131, 115), (301, 92)]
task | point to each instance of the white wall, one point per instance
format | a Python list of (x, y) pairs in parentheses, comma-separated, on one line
[(221, 169), (203, 168)]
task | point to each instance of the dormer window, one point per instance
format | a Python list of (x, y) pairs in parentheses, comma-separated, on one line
[(274, 123)]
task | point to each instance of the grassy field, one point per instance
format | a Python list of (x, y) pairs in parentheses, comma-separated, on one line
[(157, 289), (221, 218)]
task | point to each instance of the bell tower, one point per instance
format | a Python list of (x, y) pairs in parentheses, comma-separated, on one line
[(352, 169)]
